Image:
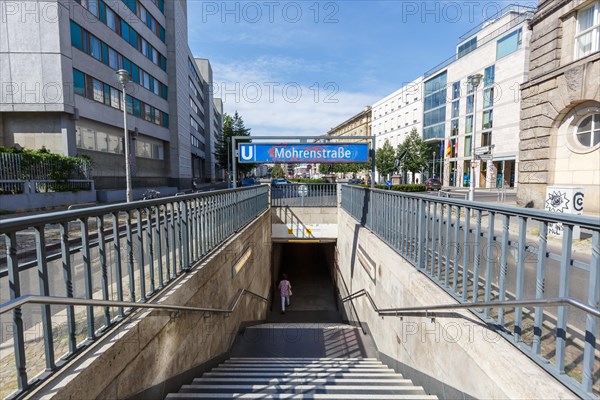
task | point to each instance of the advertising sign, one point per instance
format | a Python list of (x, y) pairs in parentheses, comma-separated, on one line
[(303, 153)]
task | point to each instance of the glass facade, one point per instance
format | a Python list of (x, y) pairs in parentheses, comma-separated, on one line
[(434, 110), (86, 85), (105, 14), (88, 43)]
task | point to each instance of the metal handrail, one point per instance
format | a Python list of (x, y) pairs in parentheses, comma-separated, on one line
[(554, 301), (73, 301)]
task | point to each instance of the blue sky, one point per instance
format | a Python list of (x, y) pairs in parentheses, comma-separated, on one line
[(303, 67)]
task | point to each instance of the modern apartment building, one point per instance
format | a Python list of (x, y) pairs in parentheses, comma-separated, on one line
[(485, 118), (560, 107), (397, 114), (59, 90)]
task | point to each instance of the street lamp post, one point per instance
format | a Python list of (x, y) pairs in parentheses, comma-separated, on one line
[(124, 79), (474, 81), (433, 156)]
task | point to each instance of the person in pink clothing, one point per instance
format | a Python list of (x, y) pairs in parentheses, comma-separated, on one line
[(285, 290)]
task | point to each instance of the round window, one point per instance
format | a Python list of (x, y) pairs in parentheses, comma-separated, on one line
[(588, 131)]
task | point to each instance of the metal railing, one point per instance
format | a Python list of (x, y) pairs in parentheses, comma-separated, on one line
[(456, 243), (304, 195), (406, 311), (110, 253), (19, 186), (70, 301)]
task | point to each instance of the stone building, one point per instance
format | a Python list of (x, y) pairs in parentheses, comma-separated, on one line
[(560, 107), (357, 125)]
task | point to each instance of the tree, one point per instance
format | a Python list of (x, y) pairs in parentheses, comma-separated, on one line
[(415, 152), (232, 126), (385, 158), (277, 171)]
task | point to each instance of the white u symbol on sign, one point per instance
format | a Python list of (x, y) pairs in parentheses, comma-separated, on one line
[(250, 152)]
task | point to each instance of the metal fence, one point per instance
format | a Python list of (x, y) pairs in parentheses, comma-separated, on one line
[(480, 253), (304, 195), (123, 252), (15, 166)]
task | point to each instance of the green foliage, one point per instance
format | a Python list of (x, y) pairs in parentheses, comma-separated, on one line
[(385, 158), (343, 168), (405, 187), (415, 153), (232, 126), (44, 165), (308, 180), (277, 171)]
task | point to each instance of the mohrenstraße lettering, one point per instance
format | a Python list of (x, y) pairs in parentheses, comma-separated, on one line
[(339, 153)]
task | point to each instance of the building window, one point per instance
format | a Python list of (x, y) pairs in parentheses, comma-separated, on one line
[(588, 131), (467, 146), (95, 48), (509, 43), (467, 47), (79, 82), (470, 104), (486, 139), (587, 38), (488, 97), (489, 75), (454, 127), (98, 92), (488, 119), (455, 108), (469, 124), (455, 90)]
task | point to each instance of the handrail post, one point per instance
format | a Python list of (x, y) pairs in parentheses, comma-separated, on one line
[(591, 325), (14, 288)]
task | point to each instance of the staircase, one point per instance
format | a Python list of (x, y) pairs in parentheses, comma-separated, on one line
[(302, 361), (301, 378)]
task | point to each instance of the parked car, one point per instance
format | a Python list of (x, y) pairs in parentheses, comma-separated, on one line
[(248, 182), (433, 184), (280, 182)]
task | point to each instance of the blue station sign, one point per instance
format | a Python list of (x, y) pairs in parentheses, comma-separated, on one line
[(303, 153)]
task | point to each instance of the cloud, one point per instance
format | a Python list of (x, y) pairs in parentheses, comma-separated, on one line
[(271, 102)]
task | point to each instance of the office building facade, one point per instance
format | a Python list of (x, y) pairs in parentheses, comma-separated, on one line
[(59, 89), (397, 114), (484, 119)]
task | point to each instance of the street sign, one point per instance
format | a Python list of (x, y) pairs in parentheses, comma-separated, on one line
[(388, 183), (302, 190), (485, 157), (482, 150), (303, 153)]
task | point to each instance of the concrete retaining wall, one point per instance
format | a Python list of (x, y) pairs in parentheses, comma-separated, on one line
[(455, 356), (34, 201), (154, 349), (304, 223)]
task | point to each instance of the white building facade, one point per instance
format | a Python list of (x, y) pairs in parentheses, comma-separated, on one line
[(485, 119), (397, 114)]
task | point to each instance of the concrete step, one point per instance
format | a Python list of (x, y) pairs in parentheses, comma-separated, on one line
[(301, 378), (276, 368), (305, 380), (325, 359), (304, 360), (279, 374), (307, 396), (300, 389), (286, 364)]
